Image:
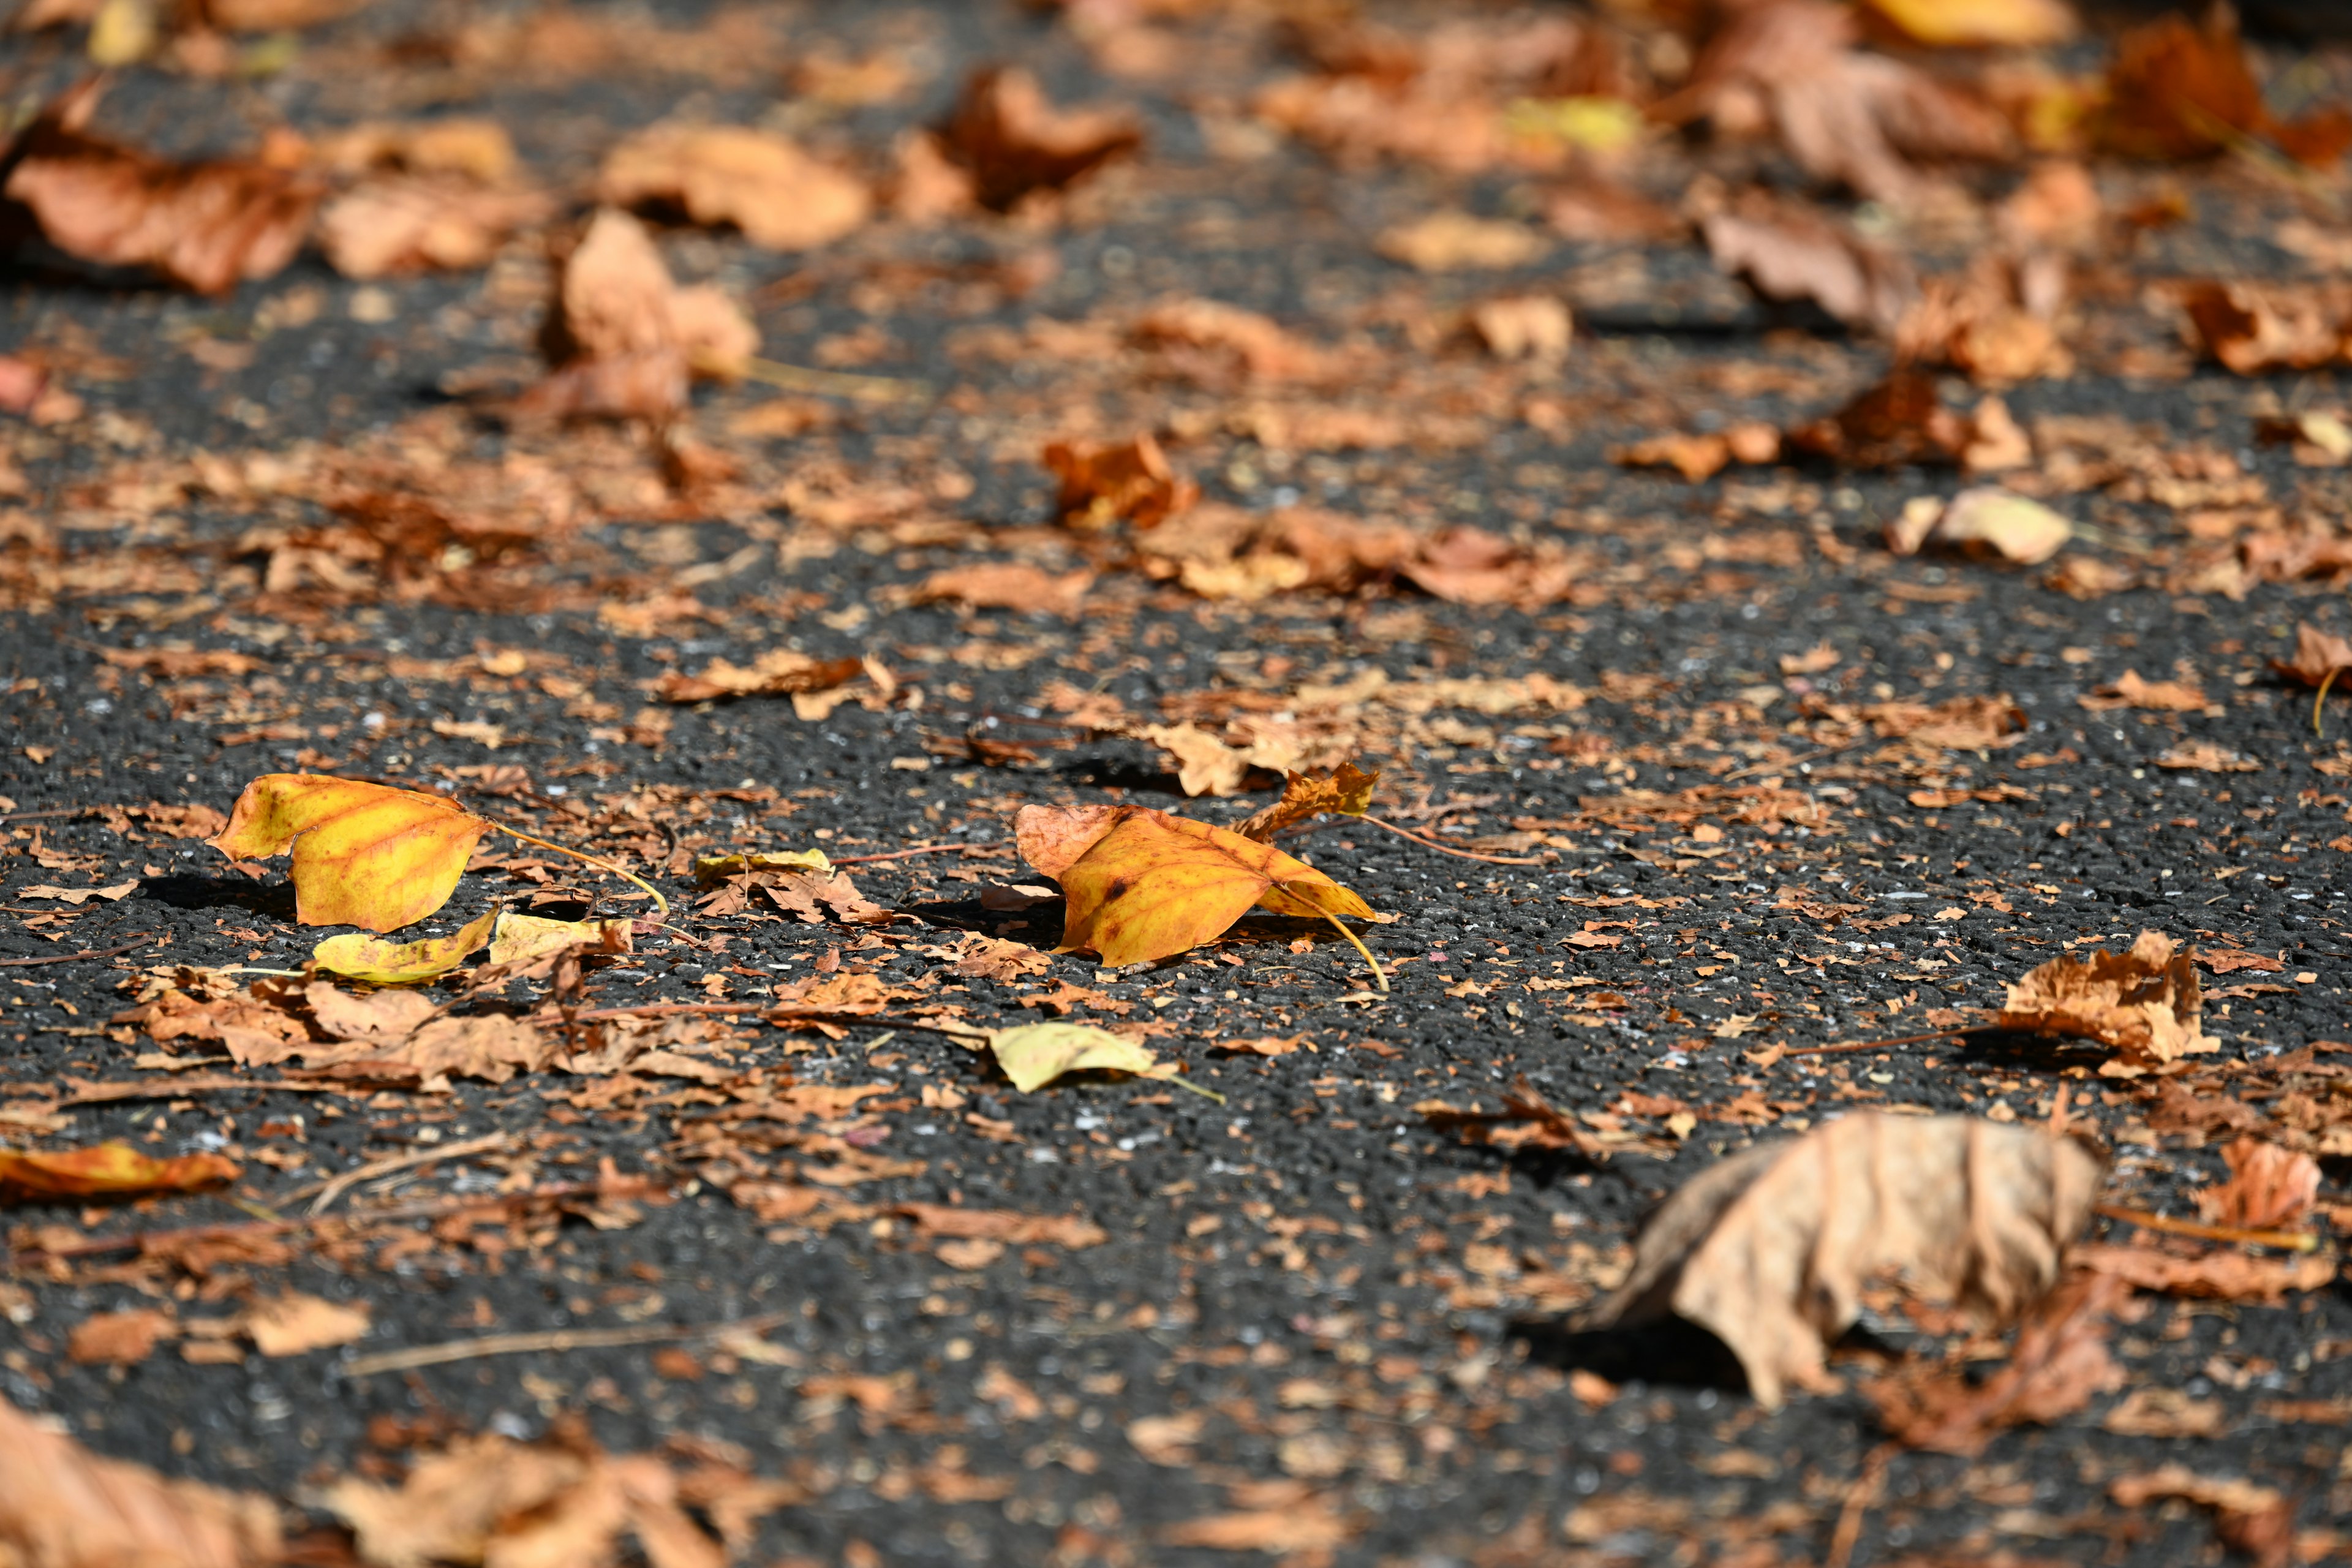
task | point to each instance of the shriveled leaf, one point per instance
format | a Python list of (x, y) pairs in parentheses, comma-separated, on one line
[(2145, 1003), (364, 854), (1769, 1250), (2060, 1364), (296, 1324), (113, 1170), (713, 868), (1012, 141), (1034, 1055), (2269, 1187), (763, 183), (2256, 328), (521, 939), (776, 673), (62, 1506), (381, 962), (1009, 585), (1343, 791), (1156, 885), (1129, 479)]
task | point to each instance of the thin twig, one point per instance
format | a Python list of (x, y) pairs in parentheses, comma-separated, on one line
[(38, 815), (336, 1186), (651, 892), (903, 853), (71, 957), (1379, 974), (2320, 697), (1448, 850), (139, 1088), (550, 1342), (2285, 1240), (775, 1012), (1858, 1500), (1843, 1045)]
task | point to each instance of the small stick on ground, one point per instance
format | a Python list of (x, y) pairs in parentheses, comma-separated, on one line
[(2285, 1240), (549, 1342), (1448, 850), (336, 1186), (1858, 1500), (71, 957), (905, 854), (1843, 1045)]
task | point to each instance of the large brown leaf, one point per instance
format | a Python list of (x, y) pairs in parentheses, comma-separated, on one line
[(1769, 1250), (62, 1506), (2145, 1003)]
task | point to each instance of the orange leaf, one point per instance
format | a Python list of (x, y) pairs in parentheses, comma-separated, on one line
[(364, 853), (1150, 884), (108, 1170)]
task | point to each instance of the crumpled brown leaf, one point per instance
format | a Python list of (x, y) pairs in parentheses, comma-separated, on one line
[(1126, 480), (1014, 142), (2269, 1187), (1787, 252), (207, 226), (1343, 791), (1770, 1249), (2145, 1003), (2318, 655), (2254, 328), (778, 196), (62, 1506), (624, 339), (812, 892), (1955, 724), (2059, 1363), (413, 223)]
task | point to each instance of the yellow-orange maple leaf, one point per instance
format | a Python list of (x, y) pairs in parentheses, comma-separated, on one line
[(1142, 884), (364, 853)]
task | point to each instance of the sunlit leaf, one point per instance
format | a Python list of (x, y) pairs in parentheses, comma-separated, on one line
[(364, 854), (1345, 791), (107, 1170), (1036, 1054), (522, 938), (382, 962)]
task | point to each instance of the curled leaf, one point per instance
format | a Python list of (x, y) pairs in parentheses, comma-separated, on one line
[(114, 1170), (364, 854), (1343, 791), (522, 939), (62, 1506), (1036, 1055), (2145, 1003), (1769, 1251), (381, 962)]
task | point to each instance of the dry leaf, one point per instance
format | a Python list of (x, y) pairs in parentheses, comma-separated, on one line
[(777, 672), (765, 185), (1466, 565), (1526, 1120), (526, 938), (2129, 691), (2255, 328), (1977, 24), (1984, 521), (296, 1324), (1308, 1528), (2320, 657), (2226, 1275), (2258, 1520), (2269, 1187), (626, 339), (1210, 334), (1955, 724), (379, 962), (2177, 88), (62, 1506), (1787, 252), (1034, 1055), (1009, 585), (1014, 142), (2060, 1362), (113, 1170), (117, 1339), (1450, 241), (208, 226), (1150, 885), (1343, 791), (413, 223), (1129, 480), (2143, 1003), (1768, 1251), (480, 150), (1534, 327), (954, 1222), (364, 854)]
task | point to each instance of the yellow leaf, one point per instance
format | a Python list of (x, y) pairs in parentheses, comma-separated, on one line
[(1977, 24), (1151, 885), (114, 1170), (1036, 1054), (382, 962), (522, 938), (364, 854), (709, 868), (1345, 791)]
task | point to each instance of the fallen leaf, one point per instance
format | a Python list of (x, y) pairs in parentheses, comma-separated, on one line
[(1153, 885), (476, 148), (956, 1222), (1034, 1055), (413, 223), (2223, 1276), (1227, 338), (778, 672), (1450, 241), (379, 962), (1305, 1528), (800, 882), (1464, 565), (524, 939), (62, 1506), (624, 339), (113, 1170), (2059, 1363), (1052, 838), (1770, 1249), (2143, 1003), (1014, 142), (116, 1339), (2129, 691), (1984, 521), (1343, 791), (2165, 1413), (1262, 1045), (296, 1324), (1977, 24), (2318, 655), (1526, 1120), (2256, 328), (779, 197), (1956, 724), (207, 226), (2205, 757), (2256, 1520), (1129, 481), (1534, 327), (1009, 585), (78, 896), (364, 853), (2269, 1187), (2177, 88), (1785, 253)]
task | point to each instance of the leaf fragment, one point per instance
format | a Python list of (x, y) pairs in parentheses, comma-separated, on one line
[(2269, 1187), (523, 939), (1034, 1055), (2145, 1003), (1343, 791), (62, 1506), (379, 962), (111, 1170), (1769, 1250), (764, 185)]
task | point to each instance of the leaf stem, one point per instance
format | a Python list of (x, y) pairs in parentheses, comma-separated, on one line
[(1380, 975), (1180, 1081), (2319, 702), (660, 904), (2285, 1240), (1447, 849)]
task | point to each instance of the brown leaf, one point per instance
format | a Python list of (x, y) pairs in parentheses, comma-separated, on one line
[(2176, 88), (949, 1222), (1526, 1120), (1014, 142), (112, 1170), (777, 672), (1770, 1249), (63, 1506), (1450, 241), (207, 226), (2269, 1187), (1127, 480), (2226, 1275), (2258, 1520), (2060, 1362), (117, 1339), (1228, 339), (1466, 565), (416, 223), (2143, 1003), (1534, 327), (1956, 724), (1900, 421), (480, 149), (296, 1324), (1009, 585), (1787, 252), (2318, 655), (778, 196), (2254, 328), (1344, 791), (2129, 691)]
